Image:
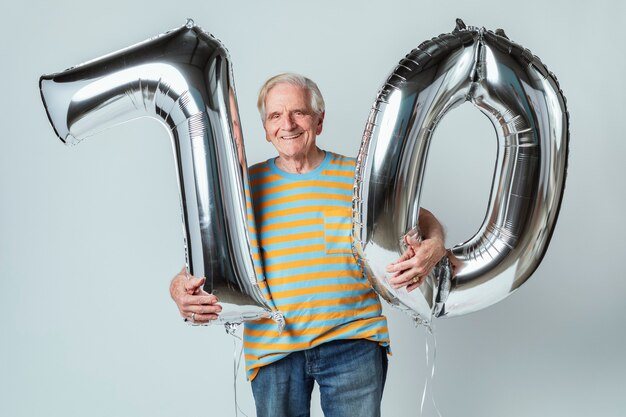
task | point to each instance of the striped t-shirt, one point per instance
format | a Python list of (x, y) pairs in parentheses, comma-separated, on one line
[(304, 224)]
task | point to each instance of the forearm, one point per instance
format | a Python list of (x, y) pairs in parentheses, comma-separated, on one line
[(429, 226), (177, 285)]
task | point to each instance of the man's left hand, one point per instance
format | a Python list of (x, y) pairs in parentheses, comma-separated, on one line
[(412, 268)]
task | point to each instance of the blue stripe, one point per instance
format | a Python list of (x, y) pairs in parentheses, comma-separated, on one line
[(334, 295), (338, 308), (327, 323), (306, 190), (294, 243), (304, 203), (338, 219), (291, 218), (342, 167), (317, 282), (309, 269), (292, 231), (370, 328), (303, 256), (337, 233)]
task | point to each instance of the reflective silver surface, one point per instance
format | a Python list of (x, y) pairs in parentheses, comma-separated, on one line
[(523, 101), (183, 79)]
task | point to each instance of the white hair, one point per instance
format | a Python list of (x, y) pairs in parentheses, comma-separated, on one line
[(317, 101)]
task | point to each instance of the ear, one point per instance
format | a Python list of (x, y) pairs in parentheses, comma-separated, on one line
[(320, 123), (267, 135)]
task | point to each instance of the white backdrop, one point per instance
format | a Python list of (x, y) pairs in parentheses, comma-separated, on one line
[(90, 236)]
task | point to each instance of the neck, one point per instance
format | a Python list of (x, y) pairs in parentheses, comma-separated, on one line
[(300, 164)]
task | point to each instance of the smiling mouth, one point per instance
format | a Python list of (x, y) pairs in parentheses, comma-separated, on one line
[(292, 136)]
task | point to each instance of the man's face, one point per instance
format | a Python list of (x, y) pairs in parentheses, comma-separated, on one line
[(290, 123)]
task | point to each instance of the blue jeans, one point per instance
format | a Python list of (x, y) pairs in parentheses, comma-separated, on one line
[(350, 373)]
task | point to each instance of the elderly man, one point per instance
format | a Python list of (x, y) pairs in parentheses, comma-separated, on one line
[(335, 334)]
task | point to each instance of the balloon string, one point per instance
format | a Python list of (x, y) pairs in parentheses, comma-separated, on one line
[(231, 329), (431, 347)]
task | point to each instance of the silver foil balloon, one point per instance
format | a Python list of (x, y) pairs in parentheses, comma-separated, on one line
[(523, 101), (183, 79)]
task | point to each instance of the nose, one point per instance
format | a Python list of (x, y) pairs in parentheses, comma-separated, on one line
[(287, 122)]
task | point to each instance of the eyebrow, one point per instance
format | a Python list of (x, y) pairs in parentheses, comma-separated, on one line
[(300, 110)]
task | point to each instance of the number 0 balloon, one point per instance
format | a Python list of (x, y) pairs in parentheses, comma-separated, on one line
[(523, 101), (183, 79)]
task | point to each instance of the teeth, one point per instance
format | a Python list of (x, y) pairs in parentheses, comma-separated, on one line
[(291, 137)]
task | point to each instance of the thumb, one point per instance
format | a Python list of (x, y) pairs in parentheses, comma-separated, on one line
[(411, 241), (192, 284)]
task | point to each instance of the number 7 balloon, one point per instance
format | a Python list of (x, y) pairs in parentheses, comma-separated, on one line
[(524, 102), (182, 78)]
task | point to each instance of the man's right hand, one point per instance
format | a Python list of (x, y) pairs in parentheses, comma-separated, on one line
[(194, 304)]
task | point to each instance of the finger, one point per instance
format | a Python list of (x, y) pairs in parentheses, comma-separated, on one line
[(423, 252), (203, 310), (421, 266), (403, 265), (432, 250), (201, 314), (403, 279), (191, 300), (193, 284), (415, 282), (400, 264), (406, 255), (416, 285), (412, 241), (204, 318)]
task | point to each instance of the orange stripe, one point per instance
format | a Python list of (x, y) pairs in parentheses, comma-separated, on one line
[(304, 196), (341, 273), (325, 316), (301, 184), (277, 295), (264, 180), (290, 238), (344, 162), (338, 239), (293, 251), (288, 212), (254, 373), (322, 303), (258, 169), (338, 173), (339, 226), (305, 345), (366, 335), (325, 303), (309, 330), (310, 262), (293, 224)]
